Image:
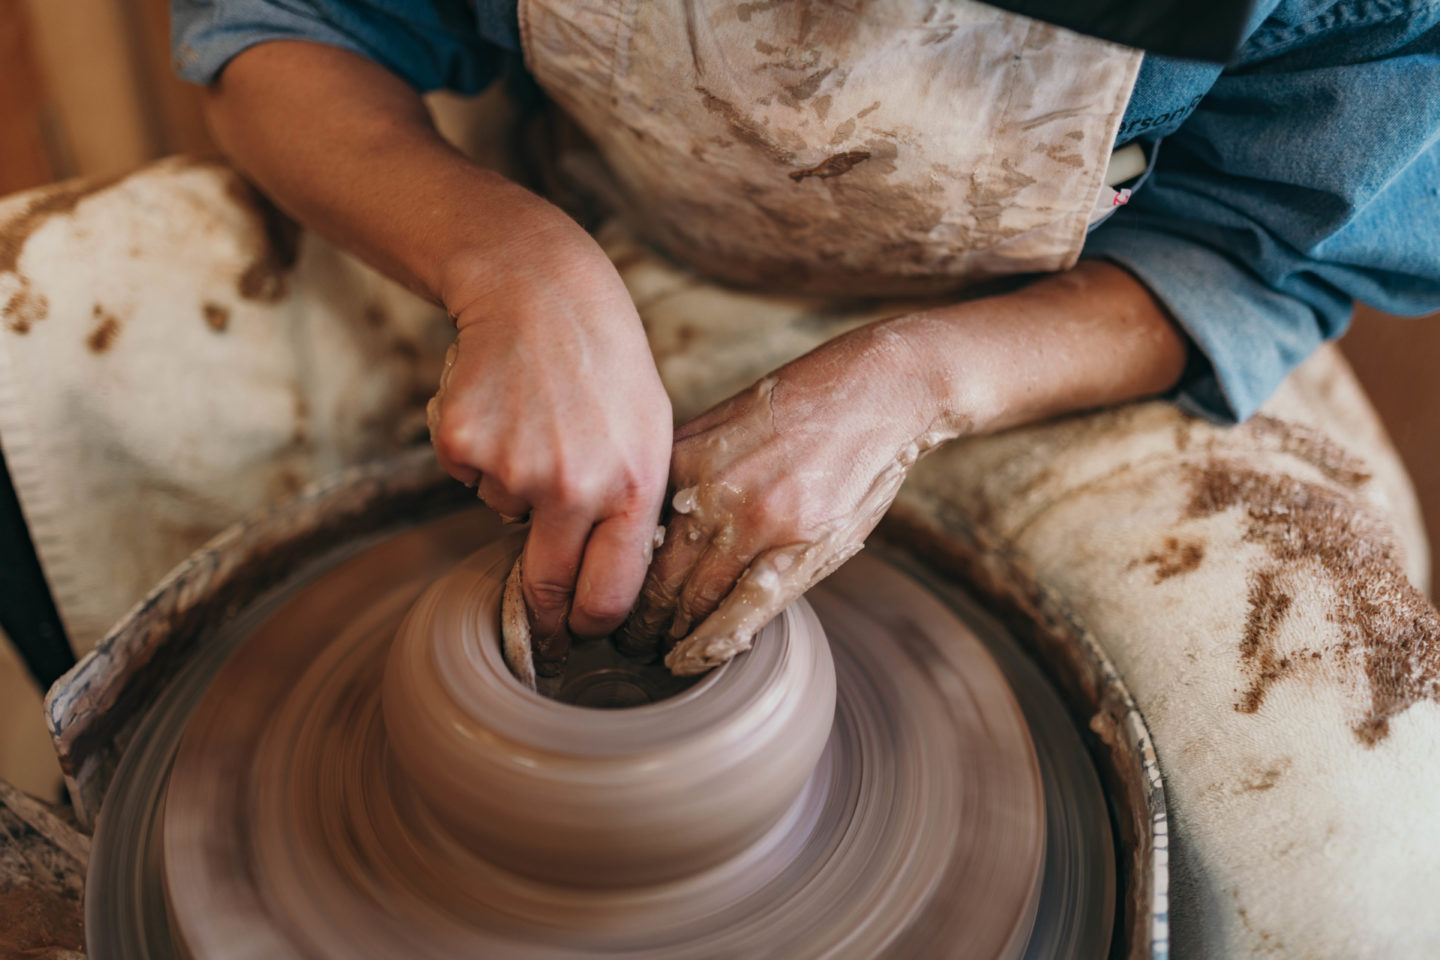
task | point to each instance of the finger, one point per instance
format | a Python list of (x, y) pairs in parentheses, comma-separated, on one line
[(757, 598), (452, 447), (711, 580), (511, 508), (685, 542), (616, 557), (551, 563), (515, 643), (466, 475)]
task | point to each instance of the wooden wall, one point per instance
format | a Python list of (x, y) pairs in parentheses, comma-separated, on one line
[(1398, 361), (86, 89)]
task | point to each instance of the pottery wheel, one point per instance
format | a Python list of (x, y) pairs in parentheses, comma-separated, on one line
[(930, 827)]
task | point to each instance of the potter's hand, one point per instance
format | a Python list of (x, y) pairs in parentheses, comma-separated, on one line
[(783, 482), (550, 401), (777, 487)]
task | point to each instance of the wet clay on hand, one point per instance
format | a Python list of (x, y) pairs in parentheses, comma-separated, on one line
[(779, 486), (515, 629)]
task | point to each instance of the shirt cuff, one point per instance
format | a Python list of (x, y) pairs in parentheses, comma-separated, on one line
[(1246, 337), (206, 39), (436, 45)]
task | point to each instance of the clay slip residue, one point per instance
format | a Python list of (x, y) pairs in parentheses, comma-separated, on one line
[(1265, 779), (58, 200), (1388, 629), (266, 277), (217, 316), (839, 164), (25, 307), (107, 328), (1175, 557), (1313, 447)]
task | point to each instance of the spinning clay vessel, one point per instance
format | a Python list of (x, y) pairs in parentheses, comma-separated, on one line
[(350, 770), (583, 796)]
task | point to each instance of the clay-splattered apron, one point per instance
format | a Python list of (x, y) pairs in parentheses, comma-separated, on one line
[(888, 146), (896, 146)]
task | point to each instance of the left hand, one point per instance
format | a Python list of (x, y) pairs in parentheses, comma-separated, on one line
[(777, 487)]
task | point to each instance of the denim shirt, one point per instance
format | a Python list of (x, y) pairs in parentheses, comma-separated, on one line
[(1300, 178)]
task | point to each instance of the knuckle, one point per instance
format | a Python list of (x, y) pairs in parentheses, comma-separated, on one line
[(704, 597), (772, 510), (605, 607), (515, 475), (638, 490), (510, 479), (549, 594), (455, 440), (575, 488), (645, 479)]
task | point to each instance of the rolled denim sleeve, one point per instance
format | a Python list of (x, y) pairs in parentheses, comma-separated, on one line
[(1302, 183), (432, 44)]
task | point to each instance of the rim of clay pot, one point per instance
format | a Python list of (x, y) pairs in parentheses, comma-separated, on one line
[(725, 703)]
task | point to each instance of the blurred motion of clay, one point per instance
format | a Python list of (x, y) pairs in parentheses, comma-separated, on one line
[(598, 798), (861, 783)]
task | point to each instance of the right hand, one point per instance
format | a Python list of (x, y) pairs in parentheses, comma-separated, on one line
[(551, 402)]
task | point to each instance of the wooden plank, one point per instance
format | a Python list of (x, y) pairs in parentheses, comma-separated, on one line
[(25, 160), (88, 67), (1395, 357), (178, 116)]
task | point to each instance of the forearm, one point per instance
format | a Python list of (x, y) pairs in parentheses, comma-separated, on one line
[(1091, 337), (349, 149)]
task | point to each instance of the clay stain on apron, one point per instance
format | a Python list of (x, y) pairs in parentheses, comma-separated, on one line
[(833, 166), (742, 129)]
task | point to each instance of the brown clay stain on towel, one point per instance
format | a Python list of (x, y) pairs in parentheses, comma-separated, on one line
[(1175, 557), (1389, 631), (1313, 447), (276, 245), (56, 201), (217, 316), (1265, 779), (107, 328), (25, 308), (1269, 604)]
